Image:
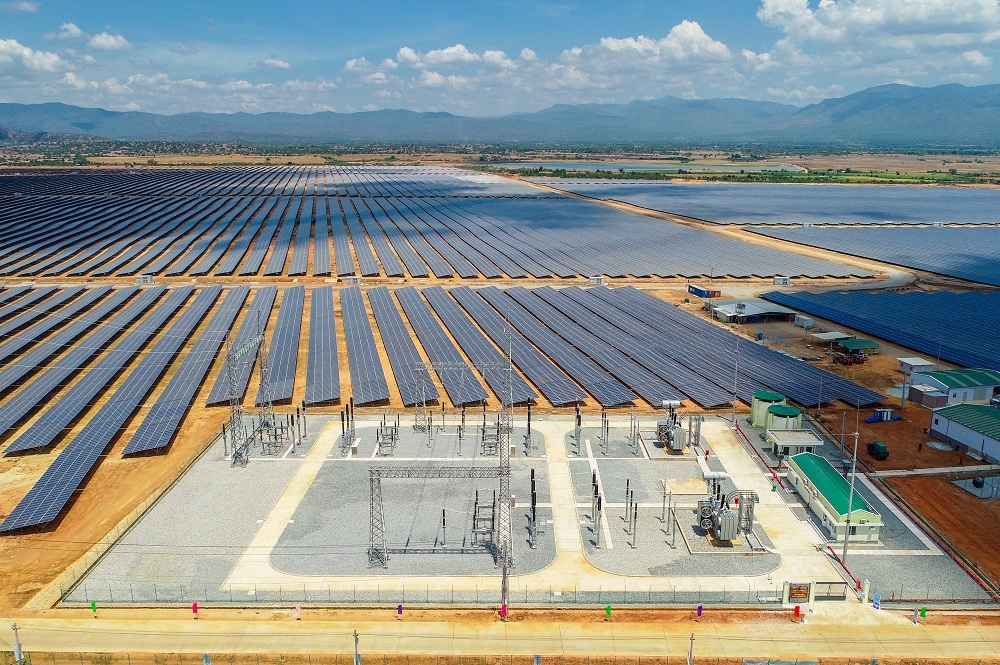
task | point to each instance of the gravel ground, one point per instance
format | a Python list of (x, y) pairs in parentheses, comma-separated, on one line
[(196, 532)]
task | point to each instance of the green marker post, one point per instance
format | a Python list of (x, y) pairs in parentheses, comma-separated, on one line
[(607, 611), (93, 607)]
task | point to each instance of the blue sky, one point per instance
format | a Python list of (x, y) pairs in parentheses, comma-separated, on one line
[(480, 57)]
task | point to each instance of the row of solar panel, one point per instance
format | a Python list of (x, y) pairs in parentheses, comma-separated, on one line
[(954, 327), (271, 181), (971, 253), (390, 236)]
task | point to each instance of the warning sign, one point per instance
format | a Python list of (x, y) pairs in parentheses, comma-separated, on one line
[(798, 592)]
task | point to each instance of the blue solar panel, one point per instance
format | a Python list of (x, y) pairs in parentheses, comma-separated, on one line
[(637, 340), (300, 246), (323, 368), (235, 251), (478, 347), (646, 384), (256, 256), (321, 242), (971, 253), (47, 428), (388, 242), (943, 325), (32, 395), (398, 343), (368, 383), (256, 318), (605, 388), (283, 350), (360, 237), (461, 384), (164, 418), (229, 225), (14, 323), (558, 388), (279, 248), (13, 346)]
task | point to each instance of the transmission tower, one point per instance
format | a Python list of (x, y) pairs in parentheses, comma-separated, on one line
[(270, 433), (420, 406), (505, 428)]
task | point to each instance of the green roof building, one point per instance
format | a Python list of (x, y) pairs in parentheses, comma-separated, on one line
[(962, 386), (973, 427), (828, 495)]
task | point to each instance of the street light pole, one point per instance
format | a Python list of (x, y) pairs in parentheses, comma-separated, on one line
[(736, 377), (850, 499)]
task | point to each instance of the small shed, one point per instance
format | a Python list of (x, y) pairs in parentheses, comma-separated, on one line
[(857, 344), (973, 427), (927, 396), (792, 441), (829, 496), (832, 336), (910, 365)]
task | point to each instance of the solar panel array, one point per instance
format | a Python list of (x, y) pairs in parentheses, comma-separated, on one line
[(461, 384), (956, 327), (765, 203), (323, 365), (254, 321), (478, 348), (11, 347), (971, 253), (401, 222), (368, 382), (164, 418), (283, 349), (412, 380)]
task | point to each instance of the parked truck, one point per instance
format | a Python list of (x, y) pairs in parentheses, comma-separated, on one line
[(878, 450)]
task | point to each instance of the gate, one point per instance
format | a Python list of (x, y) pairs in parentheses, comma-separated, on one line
[(831, 590)]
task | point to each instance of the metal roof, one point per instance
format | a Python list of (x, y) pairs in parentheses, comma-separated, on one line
[(832, 336), (859, 344), (830, 483), (979, 417), (966, 378)]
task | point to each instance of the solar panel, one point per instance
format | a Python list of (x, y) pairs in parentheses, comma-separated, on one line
[(323, 368), (403, 355), (321, 242), (558, 388), (379, 239), (300, 246), (368, 383), (164, 418), (26, 301), (14, 345), (256, 256), (223, 232), (605, 388), (10, 294), (54, 489), (283, 349), (635, 339), (25, 318), (279, 248), (461, 384), (44, 431), (235, 251), (477, 347), (27, 399), (255, 319), (645, 383), (366, 258)]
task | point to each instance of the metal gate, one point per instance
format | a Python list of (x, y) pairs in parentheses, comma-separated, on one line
[(831, 590)]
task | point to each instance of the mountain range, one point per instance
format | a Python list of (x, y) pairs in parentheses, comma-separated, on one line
[(892, 115)]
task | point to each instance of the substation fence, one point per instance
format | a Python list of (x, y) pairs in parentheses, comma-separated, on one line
[(487, 596)]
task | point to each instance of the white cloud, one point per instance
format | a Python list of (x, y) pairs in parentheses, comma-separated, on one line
[(21, 6), (452, 55), (498, 59), (274, 63), (528, 55), (407, 56), (105, 41), (685, 41), (66, 31), (977, 59), (14, 54), (357, 65)]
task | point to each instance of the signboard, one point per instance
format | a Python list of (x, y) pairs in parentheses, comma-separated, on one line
[(876, 601), (798, 592)]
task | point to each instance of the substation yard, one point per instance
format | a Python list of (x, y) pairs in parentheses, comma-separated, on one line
[(449, 256)]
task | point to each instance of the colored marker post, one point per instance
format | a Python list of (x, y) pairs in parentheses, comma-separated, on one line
[(700, 609), (607, 610), (93, 607), (503, 611), (194, 610), (923, 612), (298, 612), (399, 612)]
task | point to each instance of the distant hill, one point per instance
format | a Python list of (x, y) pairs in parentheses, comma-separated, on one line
[(891, 115)]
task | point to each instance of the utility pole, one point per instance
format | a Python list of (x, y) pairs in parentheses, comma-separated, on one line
[(850, 499), (18, 651), (691, 651)]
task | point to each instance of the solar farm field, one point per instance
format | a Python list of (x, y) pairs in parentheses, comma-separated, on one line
[(122, 292), (778, 204), (970, 253), (333, 221)]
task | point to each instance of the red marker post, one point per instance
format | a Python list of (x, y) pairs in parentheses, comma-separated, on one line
[(194, 610)]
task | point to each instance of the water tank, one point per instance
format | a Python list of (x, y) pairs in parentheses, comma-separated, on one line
[(758, 406), (782, 416)]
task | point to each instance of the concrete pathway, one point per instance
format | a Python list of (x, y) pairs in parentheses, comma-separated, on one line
[(578, 634), (935, 471)]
